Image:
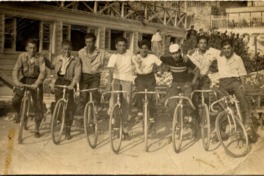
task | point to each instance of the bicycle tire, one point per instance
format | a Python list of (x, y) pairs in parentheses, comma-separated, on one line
[(177, 123), (58, 121), (90, 125), (23, 113), (205, 127), (236, 130), (146, 129), (115, 129)]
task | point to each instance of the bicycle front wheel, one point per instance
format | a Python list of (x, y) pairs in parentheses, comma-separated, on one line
[(23, 118), (146, 126), (232, 134), (58, 121), (177, 128), (205, 127), (90, 125), (115, 129)]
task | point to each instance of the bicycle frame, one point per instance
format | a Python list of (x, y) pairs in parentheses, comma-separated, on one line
[(202, 92), (229, 99)]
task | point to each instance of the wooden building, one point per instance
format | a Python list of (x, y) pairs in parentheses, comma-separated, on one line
[(51, 22)]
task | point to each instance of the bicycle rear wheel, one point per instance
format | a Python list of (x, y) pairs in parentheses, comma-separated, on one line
[(23, 114), (232, 134), (90, 125), (58, 121), (146, 127), (177, 128), (115, 129), (205, 127)]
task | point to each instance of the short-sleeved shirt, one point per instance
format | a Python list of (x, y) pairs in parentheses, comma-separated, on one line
[(94, 63), (123, 66), (203, 60), (232, 67), (179, 69), (146, 65)]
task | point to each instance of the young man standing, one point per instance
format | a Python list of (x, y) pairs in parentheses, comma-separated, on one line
[(183, 80), (93, 61), (145, 64), (156, 43), (67, 72), (121, 76), (32, 66)]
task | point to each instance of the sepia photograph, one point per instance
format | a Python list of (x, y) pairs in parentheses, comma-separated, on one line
[(132, 87)]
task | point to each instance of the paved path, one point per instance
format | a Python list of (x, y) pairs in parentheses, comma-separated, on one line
[(41, 156)]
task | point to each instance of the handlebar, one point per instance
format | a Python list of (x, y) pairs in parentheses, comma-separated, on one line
[(87, 90), (203, 91), (61, 86), (148, 92), (180, 97), (226, 99), (112, 92)]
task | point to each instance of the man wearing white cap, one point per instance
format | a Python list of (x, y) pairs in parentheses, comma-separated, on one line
[(183, 80)]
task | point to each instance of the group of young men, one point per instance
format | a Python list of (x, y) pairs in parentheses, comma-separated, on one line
[(188, 72)]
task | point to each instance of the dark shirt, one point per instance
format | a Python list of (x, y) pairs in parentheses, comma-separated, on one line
[(179, 69)]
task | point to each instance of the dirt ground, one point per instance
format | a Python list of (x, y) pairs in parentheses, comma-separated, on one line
[(41, 156)]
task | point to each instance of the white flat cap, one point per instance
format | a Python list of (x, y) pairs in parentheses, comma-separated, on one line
[(174, 48)]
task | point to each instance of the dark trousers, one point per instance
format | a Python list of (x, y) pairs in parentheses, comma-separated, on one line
[(233, 85), (143, 82), (89, 81), (203, 84), (69, 94), (36, 97), (174, 90)]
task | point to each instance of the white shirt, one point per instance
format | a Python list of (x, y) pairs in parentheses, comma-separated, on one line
[(122, 64), (156, 37), (65, 63), (232, 67), (204, 60), (145, 65)]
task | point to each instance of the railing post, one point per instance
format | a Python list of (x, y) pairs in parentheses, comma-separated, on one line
[(95, 6), (146, 12), (122, 9)]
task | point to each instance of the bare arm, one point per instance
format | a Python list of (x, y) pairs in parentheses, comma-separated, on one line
[(42, 69), (16, 69)]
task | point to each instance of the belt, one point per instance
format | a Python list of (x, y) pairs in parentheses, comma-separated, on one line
[(146, 75)]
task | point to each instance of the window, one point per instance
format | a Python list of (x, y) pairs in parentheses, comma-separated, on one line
[(245, 19), (19, 30), (46, 36), (77, 37), (9, 34), (66, 32), (26, 28), (112, 35), (255, 19)]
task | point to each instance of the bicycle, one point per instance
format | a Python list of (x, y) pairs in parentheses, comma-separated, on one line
[(205, 117), (146, 124), (116, 122), (58, 116), (24, 110), (229, 127), (178, 124), (90, 119)]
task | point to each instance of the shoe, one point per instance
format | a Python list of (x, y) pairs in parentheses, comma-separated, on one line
[(37, 134), (68, 133), (126, 136), (17, 118)]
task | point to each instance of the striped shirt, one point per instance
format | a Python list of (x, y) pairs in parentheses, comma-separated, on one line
[(179, 69)]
